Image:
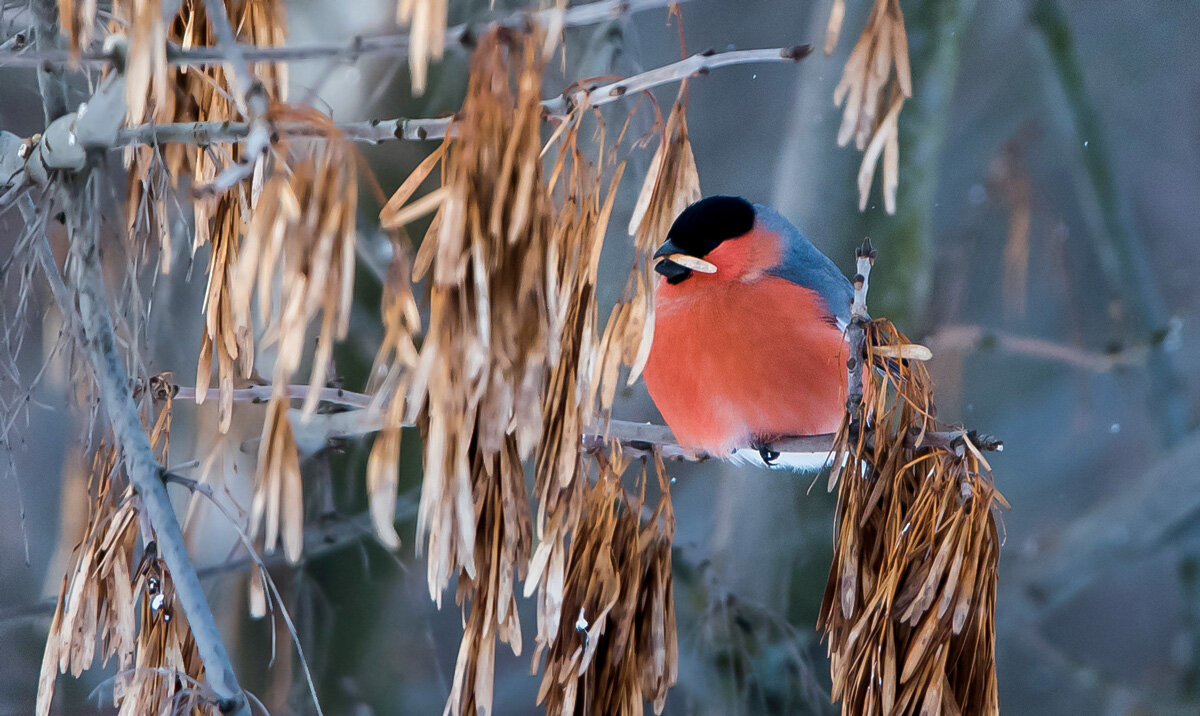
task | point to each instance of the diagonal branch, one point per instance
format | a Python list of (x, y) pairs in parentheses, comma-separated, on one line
[(78, 133), (377, 130), (98, 343)]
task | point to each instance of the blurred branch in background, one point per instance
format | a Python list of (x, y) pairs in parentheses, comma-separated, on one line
[(936, 29), (979, 338), (1147, 513), (1119, 247)]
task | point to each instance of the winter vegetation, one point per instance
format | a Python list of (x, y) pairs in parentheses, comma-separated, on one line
[(316, 314)]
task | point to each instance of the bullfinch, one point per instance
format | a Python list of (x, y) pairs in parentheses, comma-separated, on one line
[(749, 334)]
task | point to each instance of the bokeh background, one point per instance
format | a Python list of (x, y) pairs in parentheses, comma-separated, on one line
[(1045, 247)]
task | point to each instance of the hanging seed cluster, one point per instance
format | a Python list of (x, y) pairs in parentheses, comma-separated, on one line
[(875, 82), (476, 390), (129, 611), (159, 93), (511, 362), (568, 404), (96, 599), (671, 184), (296, 262), (910, 604), (616, 646)]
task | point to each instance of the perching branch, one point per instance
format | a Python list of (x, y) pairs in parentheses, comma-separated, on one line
[(856, 332), (98, 343), (357, 47), (635, 438)]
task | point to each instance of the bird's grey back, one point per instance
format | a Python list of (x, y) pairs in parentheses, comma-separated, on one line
[(804, 264)]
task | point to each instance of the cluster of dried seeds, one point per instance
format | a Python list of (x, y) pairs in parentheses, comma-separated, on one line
[(910, 604), (296, 261), (160, 93), (128, 610), (512, 361), (875, 82), (615, 647)]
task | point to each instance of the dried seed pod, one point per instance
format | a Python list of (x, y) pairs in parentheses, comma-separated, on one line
[(426, 20), (159, 93), (910, 603), (297, 261), (101, 592), (616, 646), (875, 82)]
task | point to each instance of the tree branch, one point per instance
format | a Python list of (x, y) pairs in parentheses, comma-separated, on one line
[(358, 46), (635, 438), (65, 143), (98, 342), (979, 338), (49, 77), (383, 130), (1121, 251)]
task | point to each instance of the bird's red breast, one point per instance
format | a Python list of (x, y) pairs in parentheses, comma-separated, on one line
[(744, 355)]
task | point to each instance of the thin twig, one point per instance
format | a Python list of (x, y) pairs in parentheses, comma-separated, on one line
[(49, 77), (98, 342), (356, 47), (252, 101), (856, 331)]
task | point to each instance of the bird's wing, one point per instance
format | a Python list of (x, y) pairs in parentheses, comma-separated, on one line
[(805, 265)]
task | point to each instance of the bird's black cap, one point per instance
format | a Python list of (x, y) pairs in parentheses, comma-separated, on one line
[(702, 227)]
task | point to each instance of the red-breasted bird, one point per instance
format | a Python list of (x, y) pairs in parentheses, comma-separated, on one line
[(749, 333)]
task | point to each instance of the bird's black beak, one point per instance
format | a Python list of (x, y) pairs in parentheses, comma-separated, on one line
[(673, 271)]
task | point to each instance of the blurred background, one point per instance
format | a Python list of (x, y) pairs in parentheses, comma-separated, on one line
[(1044, 247)]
